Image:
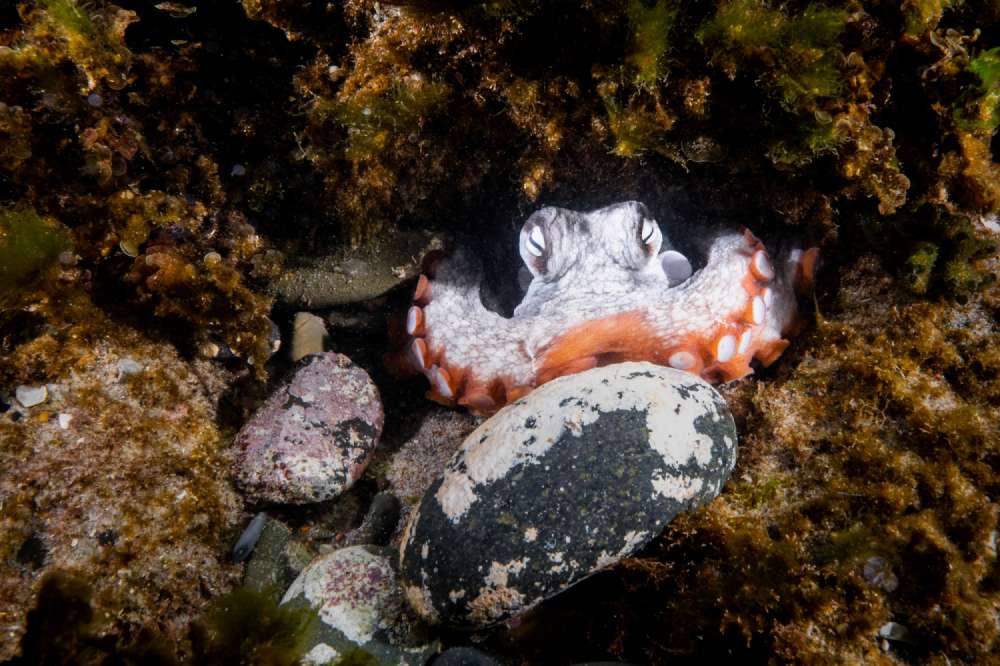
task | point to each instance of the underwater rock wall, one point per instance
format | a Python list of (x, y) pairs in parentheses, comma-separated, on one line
[(159, 161)]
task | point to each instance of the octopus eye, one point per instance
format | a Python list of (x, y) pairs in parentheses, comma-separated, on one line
[(647, 231), (536, 242)]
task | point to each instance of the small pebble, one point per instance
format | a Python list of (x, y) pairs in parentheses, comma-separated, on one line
[(65, 420), (95, 100), (894, 631), (878, 572), (129, 366), (29, 396), (238, 170), (356, 595), (308, 335), (248, 540), (216, 350), (379, 523)]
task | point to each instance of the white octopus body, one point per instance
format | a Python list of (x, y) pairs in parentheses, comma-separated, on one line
[(602, 292)]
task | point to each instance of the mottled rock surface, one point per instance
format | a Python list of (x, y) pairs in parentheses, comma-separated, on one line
[(312, 439), (360, 606), (419, 459), (118, 481), (561, 484), (352, 276)]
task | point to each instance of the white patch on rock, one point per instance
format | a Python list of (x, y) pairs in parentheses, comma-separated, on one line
[(319, 655), (500, 573), (456, 496), (680, 488), (530, 534), (493, 604), (524, 431), (420, 601), (633, 539)]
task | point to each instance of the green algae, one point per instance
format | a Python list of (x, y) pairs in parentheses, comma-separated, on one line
[(924, 15), (28, 245), (801, 50), (982, 112), (70, 15), (248, 626), (920, 264), (650, 26), (402, 109)]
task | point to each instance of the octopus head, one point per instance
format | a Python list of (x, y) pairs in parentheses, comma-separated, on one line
[(606, 251)]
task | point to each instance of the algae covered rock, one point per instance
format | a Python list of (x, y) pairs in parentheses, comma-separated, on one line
[(561, 484), (360, 608), (118, 481), (312, 439)]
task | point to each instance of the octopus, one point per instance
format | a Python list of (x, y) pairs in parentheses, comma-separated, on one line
[(601, 291)]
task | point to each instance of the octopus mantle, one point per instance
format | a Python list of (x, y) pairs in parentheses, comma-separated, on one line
[(602, 292)]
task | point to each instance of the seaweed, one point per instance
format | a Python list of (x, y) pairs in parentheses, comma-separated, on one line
[(28, 245), (248, 626)]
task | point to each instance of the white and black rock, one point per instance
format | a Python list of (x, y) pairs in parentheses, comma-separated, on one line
[(356, 594), (312, 439), (560, 484)]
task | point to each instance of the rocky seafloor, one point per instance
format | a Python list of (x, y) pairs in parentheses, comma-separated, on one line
[(179, 179)]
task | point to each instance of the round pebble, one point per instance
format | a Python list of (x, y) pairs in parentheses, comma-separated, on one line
[(29, 396), (356, 595)]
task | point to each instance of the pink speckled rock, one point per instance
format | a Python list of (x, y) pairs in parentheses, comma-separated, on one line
[(313, 438)]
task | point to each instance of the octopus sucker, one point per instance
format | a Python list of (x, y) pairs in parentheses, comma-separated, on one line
[(606, 287), (418, 352), (761, 266), (415, 321), (422, 292), (725, 348)]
